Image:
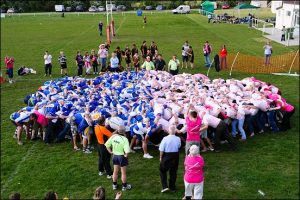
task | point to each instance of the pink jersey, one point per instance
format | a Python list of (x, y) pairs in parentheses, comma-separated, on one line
[(41, 119), (193, 129), (194, 169)]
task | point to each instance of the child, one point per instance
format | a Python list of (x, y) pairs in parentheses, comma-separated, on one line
[(9, 63), (63, 64), (136, 62), (94, 61), (87, 63)]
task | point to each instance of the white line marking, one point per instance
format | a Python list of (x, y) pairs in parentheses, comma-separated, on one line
[(13, 175)]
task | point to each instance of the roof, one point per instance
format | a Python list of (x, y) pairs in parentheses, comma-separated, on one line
[(245, 6)]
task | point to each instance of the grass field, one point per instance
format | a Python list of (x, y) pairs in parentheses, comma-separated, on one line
[(268, 162)]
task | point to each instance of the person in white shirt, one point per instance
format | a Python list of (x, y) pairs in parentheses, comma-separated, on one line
[(48, 63), (268, 52), (184, 50)]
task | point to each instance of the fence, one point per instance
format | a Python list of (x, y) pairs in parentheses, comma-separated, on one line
[(287, 63)]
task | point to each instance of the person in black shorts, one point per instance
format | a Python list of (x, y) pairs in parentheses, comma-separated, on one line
[(128, 58), (184, 53), (63, 64), (144, 49), (191, 56)]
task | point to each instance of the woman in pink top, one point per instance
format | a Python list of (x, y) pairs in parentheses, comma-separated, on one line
[(193, 123), (194, 176)]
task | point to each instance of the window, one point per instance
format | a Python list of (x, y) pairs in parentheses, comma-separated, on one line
[(288, 13)]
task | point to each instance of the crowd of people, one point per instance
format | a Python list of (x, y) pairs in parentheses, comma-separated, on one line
[(124, 112)]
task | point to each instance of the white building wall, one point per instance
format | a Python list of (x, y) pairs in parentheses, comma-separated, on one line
[(285, 15), (274, 5)]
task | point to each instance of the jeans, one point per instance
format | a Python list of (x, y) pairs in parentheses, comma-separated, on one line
[(240, 123), (207, 60), (80, 69), (48, 69), (103, 62), (61, 135), (271, 119), (260, 119)]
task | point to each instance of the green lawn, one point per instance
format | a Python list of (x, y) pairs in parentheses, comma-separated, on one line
[(268, 162)]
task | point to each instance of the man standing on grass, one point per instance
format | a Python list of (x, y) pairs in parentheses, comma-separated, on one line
[(184, 50), (62, 59), (9, 63), (48, 63), (169, 159), (173, 65), (100, 26), (148, 64)]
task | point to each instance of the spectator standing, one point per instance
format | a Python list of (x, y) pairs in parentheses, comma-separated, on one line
[(114, 63), (267, 52), (194, 176), (62, 59), (118, 145), (48, 63), (191, 56), (160, 63), (134, 50), (136, 61), (173, 65), (100, 27), (128, 58), (119, 54), (153, 47), (223, 57), (94, 61), (149, 54), (184, 53), (283, 31), (207, 51), (169, 159), (87, 63), (103, 53), (102, 134), (148, 64), (9, 63), (80, 63), (144, 49), (145, 21)]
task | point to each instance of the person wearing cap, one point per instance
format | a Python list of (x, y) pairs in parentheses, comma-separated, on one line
[(118, 146), (169, 159), (102, 135), (193, 176)]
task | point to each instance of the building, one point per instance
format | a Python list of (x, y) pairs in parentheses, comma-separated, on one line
[(261, 4), (287, 14)]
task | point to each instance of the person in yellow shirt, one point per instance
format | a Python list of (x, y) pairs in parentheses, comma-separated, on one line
[(148, 64), (102, 134), (173, 65)]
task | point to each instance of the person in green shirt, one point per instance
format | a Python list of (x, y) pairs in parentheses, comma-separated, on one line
[(118, 145), (173, 65), (148, 64)]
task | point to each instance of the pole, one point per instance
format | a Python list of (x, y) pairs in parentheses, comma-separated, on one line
[(106, 14), (293, 62), (111, 16), (233, 63), (209, 67)]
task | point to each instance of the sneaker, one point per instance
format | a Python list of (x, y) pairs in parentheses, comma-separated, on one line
[(204, 150), (211, 148), (164, 190), (76, 148), (148, 156), (15, 136), (108, 176), (128, 187), (101, 173), (132, 151), (223, 142), (45, 75), (137, 148), (87, 151), (115, 187)]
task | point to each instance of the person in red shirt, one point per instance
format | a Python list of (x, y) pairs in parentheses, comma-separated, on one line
[(9, 63), (223, 55)]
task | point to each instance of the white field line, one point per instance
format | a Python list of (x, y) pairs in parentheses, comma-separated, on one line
[(13, 175)]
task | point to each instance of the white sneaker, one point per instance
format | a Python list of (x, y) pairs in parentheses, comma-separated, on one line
[(148, 156), (101, 173), (164, 190), (137, 147), (108, 176), (132, 151), (87, 151)]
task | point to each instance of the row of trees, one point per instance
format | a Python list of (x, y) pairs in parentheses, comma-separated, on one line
[(48, 5)]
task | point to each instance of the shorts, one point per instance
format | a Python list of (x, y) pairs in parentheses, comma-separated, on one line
[(267, 55), (203, 134), (174, 72), (192, 59), (120, 160), (63, 66), (10, 73), (185, 58), (114, 69)]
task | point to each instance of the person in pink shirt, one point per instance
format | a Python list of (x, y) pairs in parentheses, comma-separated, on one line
[(288, 111), (193, 122), (40, 123), (194, 175), (102, 53), (9, 63)]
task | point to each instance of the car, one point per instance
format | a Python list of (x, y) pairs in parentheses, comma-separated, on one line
[(93, 9), (182, 9), (101, 9), (111, 7), (160, 7), (79, 8), (3, 11), (69, 9), (10, 10), (225, 6), (121, 8), (148, 8)]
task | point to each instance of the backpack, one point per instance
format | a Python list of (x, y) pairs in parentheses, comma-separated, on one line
[(217, 62)]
